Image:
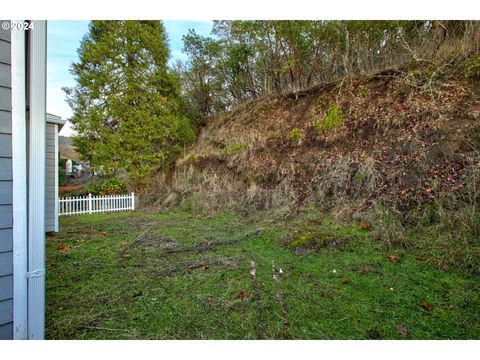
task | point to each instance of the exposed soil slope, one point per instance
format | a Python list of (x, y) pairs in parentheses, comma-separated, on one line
[(404, 137)]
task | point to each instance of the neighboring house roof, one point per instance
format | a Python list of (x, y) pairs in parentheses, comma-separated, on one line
[(56, 120)]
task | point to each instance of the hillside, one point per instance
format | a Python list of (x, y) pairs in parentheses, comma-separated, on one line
[(393, 151), (67, 150)]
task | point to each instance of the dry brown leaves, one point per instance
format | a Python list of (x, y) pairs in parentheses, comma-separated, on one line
[(426, 305), (393, 259)]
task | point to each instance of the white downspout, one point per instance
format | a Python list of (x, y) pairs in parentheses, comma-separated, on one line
[(36, 181), (19, 170), (56, 178)]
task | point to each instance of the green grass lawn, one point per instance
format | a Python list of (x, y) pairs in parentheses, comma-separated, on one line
[(174, 275)]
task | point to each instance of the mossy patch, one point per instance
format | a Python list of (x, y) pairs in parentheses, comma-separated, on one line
[(313, 240)]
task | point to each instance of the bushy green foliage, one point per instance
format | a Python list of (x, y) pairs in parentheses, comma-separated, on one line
[(62, 176), (127, 108), (105, 186), (295, 136), (472, 67), (333, 120)]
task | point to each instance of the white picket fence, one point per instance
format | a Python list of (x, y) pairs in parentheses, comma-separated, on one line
[(76, 205)]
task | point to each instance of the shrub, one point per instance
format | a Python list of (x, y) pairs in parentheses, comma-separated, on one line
[(105, 186), (472, 68), (333, 120), (295, 136), (62, 176)]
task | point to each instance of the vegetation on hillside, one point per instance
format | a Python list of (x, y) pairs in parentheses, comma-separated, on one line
[(133, 114), (402, 156)]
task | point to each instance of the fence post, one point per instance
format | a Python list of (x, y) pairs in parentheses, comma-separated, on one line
[(133, 201), (90, 208)]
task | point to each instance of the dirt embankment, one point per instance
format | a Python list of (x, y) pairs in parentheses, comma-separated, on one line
[(404, 137)]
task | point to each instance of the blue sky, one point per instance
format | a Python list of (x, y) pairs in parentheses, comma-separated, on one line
[(63, 41)]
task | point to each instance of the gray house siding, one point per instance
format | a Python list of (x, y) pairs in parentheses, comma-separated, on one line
[(6, 216), (50, 177)]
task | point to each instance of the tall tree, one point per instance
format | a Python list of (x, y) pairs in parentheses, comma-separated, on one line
[(204, 86), (126, 103)]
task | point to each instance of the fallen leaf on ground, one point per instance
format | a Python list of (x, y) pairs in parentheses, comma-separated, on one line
[(64, 249), (243, 295), (364, 270), (426, 306), (402, 330), (393, 259), (365, 225), (103, 233), (345, 281), (60, 247)]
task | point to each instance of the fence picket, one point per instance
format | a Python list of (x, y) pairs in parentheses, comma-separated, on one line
[(75, 205)]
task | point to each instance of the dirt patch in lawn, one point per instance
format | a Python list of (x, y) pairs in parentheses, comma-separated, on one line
[(154, 240)]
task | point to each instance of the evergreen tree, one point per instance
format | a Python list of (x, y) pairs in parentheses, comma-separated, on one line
[(126, 103)]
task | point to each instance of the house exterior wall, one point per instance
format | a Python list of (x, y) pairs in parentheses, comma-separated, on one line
[(50, 176), (6, 212)]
